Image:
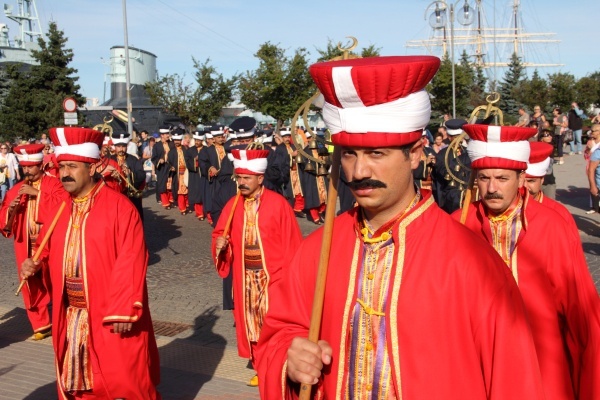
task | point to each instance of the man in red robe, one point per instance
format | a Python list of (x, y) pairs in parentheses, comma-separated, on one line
[(103, 339), (257, 247), (539, 162), (400, 319), (546, 260), (32, 200)]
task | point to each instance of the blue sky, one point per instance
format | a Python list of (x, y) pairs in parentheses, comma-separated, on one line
[(229, 32)]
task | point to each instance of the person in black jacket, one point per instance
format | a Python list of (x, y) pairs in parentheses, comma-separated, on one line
[(133, 171)]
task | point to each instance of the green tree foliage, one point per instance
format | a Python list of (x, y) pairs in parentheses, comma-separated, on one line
[(213, 92), (193, 103), (35, 97), (534, 92), (510, 86), (561, 90), (441, 88), (332, 50), (280, 84), (587, 91)]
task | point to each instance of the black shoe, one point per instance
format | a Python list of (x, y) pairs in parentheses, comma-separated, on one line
[(299, 214)]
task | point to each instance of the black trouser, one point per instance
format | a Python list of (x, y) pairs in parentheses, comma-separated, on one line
[(558, 139)]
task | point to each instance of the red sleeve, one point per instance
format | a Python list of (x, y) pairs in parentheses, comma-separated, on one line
[(225, 259), (128, 275), (51, 195), (8, 198)]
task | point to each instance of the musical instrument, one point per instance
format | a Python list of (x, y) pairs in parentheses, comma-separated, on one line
[(13, 214)]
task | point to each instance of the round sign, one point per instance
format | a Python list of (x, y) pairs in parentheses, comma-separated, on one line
[(69, 104)]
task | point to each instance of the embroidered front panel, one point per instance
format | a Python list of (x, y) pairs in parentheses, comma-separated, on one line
[(33, 228), (256, 302), (77, 369), (505, 231), (369, 364), (182, 188)]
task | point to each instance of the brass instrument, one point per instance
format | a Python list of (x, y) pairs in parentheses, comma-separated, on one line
[(105, 127), (13, 214)]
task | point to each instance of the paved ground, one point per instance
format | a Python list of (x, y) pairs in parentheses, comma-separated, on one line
[(201, 362)]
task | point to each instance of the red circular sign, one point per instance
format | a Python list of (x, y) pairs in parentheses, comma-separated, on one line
[(69, 104)]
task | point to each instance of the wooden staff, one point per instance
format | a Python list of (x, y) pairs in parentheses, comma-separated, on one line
[(228, 224), (317, 308), (38, 252), (468, 196)]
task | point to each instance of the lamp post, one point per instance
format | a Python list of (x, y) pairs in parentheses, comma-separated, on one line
[(438, 20), (127, 76)]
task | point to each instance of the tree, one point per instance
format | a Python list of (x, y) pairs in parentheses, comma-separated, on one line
[(587, 91), (280, 85), (561, 90), (510, 86), (202, 102), (441, 88), (332, 50), (35, 97), (534, 92), (176, 96)]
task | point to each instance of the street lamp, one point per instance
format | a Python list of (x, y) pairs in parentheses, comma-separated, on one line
[(437, 20)]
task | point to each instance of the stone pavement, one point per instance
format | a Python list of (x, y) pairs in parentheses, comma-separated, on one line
[(199, 356)]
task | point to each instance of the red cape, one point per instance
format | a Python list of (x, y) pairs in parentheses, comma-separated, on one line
[(114, 263), (455, 318), (279, 237), (560, 298), (36, 292)]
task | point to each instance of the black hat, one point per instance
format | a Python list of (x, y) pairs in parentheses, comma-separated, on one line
[(177, 134), (120, 138), (243, 127), (165, 128), (454, 126)]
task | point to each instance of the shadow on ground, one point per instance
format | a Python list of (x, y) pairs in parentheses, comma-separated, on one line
[(159, 230), (12, 327), (46, 392), (187, 364)]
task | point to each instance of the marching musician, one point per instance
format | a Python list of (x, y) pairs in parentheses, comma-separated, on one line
[(293, 188), (197, 184), (162, 167), (131, 174), (25, 209), (176, 159), (558, 291), (399, 320), (103, 339), (255, 247)]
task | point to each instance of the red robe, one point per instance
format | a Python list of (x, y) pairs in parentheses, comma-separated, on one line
[(562, 210), (114, 263), (279, 237), (454, 317), (36, 292), (560, 298)]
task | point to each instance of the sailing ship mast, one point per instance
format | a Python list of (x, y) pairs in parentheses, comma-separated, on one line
[(482, 41)]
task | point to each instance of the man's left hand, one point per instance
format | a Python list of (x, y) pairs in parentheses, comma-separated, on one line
[(28, 189), (122, 327)]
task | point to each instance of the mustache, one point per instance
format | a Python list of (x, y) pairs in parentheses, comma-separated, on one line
[(243, 187), (67, 179), (366, 183), (493, 196)]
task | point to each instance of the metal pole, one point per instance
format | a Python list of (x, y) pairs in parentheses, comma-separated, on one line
[(452, 55), (127, 80)]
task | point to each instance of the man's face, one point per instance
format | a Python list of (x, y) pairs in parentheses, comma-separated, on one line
[(164, 137), (34, 172), (144, 135), (249, 185), (380, 178), (521, 111), (76, 177), (198, 143), (534, 185), (220, 139), (210, 141), (247, 140), (121, 149), (177, 142), (286, 139), (498, 188)]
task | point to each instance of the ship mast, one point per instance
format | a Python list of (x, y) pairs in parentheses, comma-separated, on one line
[(480, 38), (27, 18)]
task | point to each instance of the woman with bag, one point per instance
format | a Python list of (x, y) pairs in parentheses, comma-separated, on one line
[(560, 123)]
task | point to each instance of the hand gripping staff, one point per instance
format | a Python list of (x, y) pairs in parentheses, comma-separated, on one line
[(38, 252), (317, 308), (228, 224)]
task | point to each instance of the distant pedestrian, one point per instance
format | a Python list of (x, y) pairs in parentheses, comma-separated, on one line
[(560, 123), (575, 117), (523, 118)]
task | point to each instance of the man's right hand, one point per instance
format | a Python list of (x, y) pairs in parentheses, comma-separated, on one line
[(306, 359), (29, 268)]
